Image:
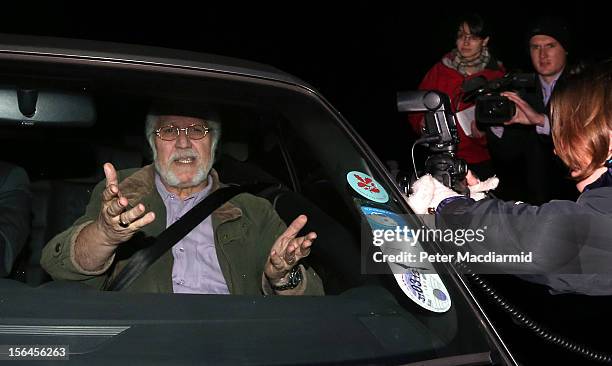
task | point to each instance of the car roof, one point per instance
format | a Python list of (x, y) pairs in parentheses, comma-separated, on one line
[(11, 44)]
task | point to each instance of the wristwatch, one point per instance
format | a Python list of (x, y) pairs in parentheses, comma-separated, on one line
[(293, 280)]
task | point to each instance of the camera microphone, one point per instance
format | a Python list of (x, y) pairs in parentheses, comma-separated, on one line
[(472, 88), (473, 84), (524, 80)]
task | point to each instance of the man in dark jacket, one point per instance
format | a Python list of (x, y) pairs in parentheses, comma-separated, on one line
[(242, 248), (524, 147), (15, 214)]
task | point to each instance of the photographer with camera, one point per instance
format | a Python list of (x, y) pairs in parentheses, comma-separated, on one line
[(571, 241), (470, 59), (568, 243), (523, 147)]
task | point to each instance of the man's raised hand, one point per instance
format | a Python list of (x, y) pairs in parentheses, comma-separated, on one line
[(288, 249), (117, 222)]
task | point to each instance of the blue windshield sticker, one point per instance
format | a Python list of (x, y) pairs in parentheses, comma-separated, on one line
[(367, 187), (382, 219)]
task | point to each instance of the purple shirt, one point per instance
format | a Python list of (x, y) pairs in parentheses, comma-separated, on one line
[(196, 267), (547, 90)]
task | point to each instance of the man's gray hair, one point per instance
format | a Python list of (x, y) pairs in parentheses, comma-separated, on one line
[(151, 125)]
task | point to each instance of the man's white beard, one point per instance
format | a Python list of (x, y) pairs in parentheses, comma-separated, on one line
[(168, 176)]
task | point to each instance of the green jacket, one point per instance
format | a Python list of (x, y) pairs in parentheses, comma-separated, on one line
[(245, 229)]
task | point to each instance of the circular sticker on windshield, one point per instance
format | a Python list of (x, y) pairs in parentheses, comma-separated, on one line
[(425, 289), (382, 219), (367, 187)]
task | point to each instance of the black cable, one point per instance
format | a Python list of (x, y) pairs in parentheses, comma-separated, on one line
[(538, 329)]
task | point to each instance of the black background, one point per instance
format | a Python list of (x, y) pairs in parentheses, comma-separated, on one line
[(357, 54)]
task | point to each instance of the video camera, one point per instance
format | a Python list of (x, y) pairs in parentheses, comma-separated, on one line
[(439, 135), (491, 107)]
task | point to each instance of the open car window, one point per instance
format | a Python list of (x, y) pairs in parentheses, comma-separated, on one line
[(273, 132)]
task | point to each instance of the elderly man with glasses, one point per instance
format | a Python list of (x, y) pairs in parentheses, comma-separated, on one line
[(243, 247)]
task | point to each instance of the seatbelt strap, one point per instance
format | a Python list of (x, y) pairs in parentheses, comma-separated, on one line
[(143, 258)]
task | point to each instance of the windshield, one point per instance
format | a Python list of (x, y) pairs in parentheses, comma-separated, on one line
[(276, 133)]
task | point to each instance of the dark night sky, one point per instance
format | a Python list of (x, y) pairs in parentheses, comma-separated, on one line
[(356, 54)]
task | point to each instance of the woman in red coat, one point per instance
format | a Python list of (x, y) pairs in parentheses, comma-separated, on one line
[(470, 59)]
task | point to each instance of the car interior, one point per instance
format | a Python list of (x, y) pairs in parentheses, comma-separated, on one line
[(64, 162), (281, 136)]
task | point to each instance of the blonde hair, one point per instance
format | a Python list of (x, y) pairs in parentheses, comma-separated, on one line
[(581, 113)]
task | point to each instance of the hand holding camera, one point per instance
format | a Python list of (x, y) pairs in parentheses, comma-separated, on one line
[(496, 104), (440, 136), (524, 114), (445, 174), (428, 192)]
